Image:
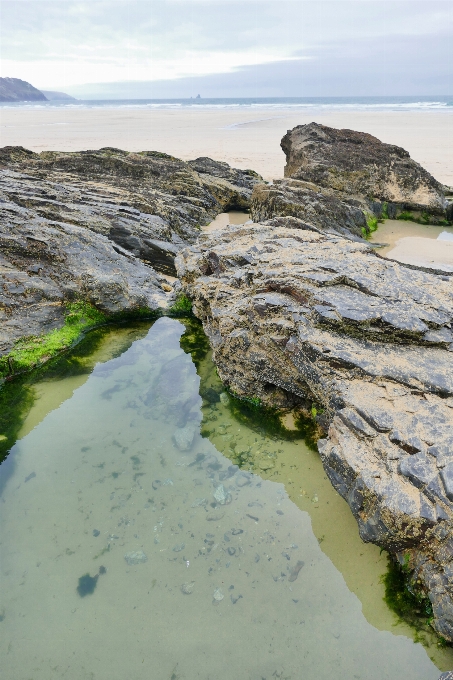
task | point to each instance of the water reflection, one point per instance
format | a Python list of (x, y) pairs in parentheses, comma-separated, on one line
[(196, 568)]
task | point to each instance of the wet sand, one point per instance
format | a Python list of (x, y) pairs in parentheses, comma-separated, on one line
[(243, 137), (415, 244)]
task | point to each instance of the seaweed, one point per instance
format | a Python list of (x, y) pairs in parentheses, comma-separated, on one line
[(87, 584), (404, 598), (181, 307)]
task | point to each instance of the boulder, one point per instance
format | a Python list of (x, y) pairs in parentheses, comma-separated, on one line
[(356, 164), (297, 316)]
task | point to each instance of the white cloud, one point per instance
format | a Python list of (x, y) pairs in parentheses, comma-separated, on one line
[(69, 42)]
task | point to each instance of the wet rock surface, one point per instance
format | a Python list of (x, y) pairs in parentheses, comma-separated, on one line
[(101, 225), (355, 164), (299, 316)]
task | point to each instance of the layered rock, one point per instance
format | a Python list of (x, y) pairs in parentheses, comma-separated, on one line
[(355, 164), (99, 225), (299, 316), (313, 205), (149, 203), (46, 263)]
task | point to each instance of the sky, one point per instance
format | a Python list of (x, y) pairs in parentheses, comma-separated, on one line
[(229, 48)]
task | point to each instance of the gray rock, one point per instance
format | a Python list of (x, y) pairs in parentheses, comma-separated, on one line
[(316, 208), (384, 388), (356, 165), (184, 436), (137, 557)]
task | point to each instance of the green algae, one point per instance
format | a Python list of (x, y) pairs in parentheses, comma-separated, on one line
[(181, 307), (194, 340), (32, 351), (409, 603), (402, 597)]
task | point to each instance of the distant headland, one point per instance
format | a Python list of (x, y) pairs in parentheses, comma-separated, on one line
[(16, 90)]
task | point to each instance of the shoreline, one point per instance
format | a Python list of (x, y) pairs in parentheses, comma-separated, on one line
[(242, 138)]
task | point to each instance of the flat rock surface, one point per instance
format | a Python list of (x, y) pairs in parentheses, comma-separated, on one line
[(300, 316)]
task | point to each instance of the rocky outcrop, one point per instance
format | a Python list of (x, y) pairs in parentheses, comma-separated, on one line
[(100, 225), (16, 90), (300, 316), (313, 205), (149, 203), (357, 165), (45, 263)]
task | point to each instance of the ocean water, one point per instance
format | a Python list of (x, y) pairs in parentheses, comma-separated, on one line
[(436, 103), (148, 532)]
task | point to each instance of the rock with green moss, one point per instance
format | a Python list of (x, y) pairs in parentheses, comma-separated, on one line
[(100, 227), (47, 265)]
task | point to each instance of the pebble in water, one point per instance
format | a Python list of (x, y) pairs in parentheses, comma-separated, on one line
[(295, 570), (183, 437), (87, 584), (187, 588), (222, 496), (135, 557), (178, 547), (217, 596)]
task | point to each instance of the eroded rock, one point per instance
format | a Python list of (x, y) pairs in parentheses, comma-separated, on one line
[(101, 226), (356, 164), (299, 316)]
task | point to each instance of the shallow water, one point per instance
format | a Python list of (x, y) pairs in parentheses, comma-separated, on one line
[(390, 232), (209, 570)]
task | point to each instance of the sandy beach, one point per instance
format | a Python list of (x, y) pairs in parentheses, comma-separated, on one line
[(243, 137)]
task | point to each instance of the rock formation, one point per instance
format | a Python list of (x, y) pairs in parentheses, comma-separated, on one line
[(313, 205), (357, 165), (299, 316), (99, 225), (16, 90)]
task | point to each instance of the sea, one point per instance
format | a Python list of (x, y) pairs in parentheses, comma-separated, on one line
[(431, 102)]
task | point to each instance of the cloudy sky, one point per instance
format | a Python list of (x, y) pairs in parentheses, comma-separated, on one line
[(177, 48)]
